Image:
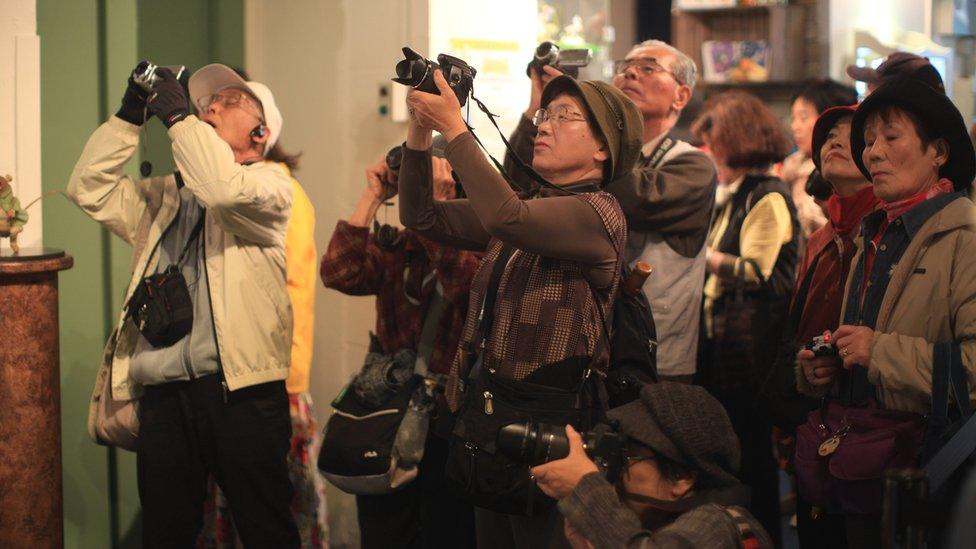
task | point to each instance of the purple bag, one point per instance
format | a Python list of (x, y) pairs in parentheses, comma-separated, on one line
[(843, 451)]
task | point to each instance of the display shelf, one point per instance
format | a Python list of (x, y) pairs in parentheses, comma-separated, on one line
[(781, 26)]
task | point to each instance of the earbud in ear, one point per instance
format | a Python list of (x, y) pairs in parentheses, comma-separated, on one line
[(258, 131)]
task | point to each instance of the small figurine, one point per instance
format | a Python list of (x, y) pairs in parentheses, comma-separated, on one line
[(12, 216)]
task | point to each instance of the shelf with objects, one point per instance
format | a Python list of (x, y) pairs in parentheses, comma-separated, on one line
[(762, 47)]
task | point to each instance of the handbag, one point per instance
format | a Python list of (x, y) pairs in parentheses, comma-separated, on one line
[(845, 447), (736, 325), (842, 452), (112, 422), (371, 447)]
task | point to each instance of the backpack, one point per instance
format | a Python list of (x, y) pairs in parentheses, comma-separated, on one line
[(633, 339)]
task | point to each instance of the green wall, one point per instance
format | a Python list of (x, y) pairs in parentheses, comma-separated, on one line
[(88, 48)]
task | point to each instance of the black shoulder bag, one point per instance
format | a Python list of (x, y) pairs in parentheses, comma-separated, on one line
[(161, 306)]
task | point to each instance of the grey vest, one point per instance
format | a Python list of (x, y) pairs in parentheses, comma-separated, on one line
[(674, 291)]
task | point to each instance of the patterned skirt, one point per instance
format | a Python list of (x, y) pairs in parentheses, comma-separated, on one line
[(308, 505)]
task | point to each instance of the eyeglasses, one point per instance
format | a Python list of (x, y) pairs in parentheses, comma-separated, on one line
[(644, 65), (557, 116), (227, 100)]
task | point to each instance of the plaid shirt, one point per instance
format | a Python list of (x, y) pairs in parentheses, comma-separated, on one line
[(403, 279)]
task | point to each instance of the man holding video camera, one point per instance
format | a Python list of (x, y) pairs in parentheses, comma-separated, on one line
[(667, 200), (677, 487), (209, 239)]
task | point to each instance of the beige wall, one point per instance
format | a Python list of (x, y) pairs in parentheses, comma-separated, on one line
[(325, 62)]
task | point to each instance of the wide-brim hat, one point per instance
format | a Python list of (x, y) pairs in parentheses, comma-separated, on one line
[(900, 64), (216, 77), (941, 116), (825, 122), (617, 117), (685, 424)]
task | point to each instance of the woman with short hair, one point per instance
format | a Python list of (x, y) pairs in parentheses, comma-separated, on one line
[(911, 294), (752, 251)]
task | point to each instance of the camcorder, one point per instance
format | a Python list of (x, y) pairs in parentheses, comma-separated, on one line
[(146, 77), (417, 72), (568, 62), (537, 443)]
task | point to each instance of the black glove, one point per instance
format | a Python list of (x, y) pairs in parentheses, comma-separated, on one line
[(168, 101), (133, 104)]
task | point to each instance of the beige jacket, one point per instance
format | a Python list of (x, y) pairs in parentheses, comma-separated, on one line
[(244, 237), (931, 298)]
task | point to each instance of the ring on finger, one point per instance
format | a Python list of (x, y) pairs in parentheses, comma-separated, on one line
[(845, 351)]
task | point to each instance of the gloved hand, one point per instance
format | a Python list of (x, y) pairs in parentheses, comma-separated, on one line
[(168, 101), (133, 104)]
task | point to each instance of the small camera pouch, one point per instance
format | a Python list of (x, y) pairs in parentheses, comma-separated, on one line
[(160, 306)]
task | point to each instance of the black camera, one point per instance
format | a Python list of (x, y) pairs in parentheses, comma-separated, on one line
[(568, 62), (821, 346), (538, 443), (146, 77), (417, 72)]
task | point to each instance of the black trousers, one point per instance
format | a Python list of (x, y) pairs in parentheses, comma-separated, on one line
[(188, 432), (423, 514)]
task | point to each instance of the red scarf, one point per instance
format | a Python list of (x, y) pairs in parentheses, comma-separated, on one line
[(898, 207)]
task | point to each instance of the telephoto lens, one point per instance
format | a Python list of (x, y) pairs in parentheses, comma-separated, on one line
[(533, 444)]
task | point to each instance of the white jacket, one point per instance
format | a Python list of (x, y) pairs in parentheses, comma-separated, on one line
[(244, 237)]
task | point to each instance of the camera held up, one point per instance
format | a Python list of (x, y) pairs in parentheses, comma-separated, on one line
[(417, 72), (569, 62), (146, 77), (538, 443)]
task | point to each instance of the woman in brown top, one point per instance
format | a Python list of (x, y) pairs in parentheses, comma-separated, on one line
[(553, 261)]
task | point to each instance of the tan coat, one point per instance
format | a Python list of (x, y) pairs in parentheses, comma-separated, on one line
[(244, 241), (931, 298)]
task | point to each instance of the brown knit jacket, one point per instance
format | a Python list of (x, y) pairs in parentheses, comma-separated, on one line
[(545, 312)]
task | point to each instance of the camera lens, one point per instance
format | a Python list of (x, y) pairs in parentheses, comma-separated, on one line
[(411, 71), (547, 52), (533, 443)]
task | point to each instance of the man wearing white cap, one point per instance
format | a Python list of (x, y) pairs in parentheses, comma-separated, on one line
[(214, 401)]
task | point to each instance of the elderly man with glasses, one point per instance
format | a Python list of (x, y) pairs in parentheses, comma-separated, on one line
[(212, 398), (667, 199)]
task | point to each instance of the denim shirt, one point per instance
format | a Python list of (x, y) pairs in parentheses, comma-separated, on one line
[(894, 242), (892, 246)]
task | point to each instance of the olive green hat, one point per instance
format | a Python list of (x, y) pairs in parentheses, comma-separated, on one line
[(616, 116)]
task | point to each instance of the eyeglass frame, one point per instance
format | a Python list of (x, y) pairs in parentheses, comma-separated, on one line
[(223, 97), (543, 114), (650, 62)]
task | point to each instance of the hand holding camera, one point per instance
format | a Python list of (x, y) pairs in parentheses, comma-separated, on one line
[(441, 113), (168, 100), (540, 77), (819, 361), (381, 178), (558, 478), (133, 108)]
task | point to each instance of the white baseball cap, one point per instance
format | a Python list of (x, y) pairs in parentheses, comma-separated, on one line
[(216, 77)]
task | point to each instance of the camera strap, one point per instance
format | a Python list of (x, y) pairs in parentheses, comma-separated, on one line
[(192, 238)]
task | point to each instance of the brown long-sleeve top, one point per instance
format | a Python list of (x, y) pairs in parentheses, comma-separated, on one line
[(560, 227), (558, 283)]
